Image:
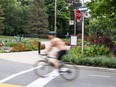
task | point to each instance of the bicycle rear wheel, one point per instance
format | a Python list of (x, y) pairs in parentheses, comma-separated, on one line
[(69, 71), (41, 68)]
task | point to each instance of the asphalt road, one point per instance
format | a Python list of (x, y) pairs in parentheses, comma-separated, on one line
[(23, 75)]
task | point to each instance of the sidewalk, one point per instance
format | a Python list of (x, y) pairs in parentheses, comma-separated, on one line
[(28, 57), (22, 57)]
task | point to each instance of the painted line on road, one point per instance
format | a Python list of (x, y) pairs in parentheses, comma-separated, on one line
[(10, 85), (17, 74), (42, 81), (103, 76)]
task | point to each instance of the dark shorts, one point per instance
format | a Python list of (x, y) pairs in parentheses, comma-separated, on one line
[(61, 53)]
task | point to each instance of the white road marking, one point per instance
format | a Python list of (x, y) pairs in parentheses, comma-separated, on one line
[(99, 76), (17, 74), (42, 81)]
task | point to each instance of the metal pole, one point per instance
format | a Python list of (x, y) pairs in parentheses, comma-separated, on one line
[(39, 47), (74, 21), (83, 28), (55, 15)]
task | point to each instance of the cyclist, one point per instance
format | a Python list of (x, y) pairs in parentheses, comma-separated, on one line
[(58, 43)]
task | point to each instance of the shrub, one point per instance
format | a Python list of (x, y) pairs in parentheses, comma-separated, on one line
[(20, 47), (114, 50), (76, 51), (99, 61), (29, 46), (34, 45), (90, 51), (2, 51), (104, 40), (96, 50), (91, 39), (11, 44)]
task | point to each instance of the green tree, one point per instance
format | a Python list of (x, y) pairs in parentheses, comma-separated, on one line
[(9, 9), (103, 17), (63, 16), (1, 20), (37, 21)]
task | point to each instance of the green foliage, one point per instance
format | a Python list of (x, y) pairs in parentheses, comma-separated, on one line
[(19, 19), (90, 51), (1, 20), (99, 61), (76, 51), (103, 16), (37, 19), (63, 16), (96, 50), (11, 44), (2, 51), (26, 44)]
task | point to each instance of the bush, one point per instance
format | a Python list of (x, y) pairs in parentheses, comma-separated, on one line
[(114, 50), (89, 61), (29, 46), (96, 50), (90, 51), (11, 44), (20, 47), (2, 51)]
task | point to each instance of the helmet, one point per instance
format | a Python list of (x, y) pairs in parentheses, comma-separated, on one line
[(52, 33)]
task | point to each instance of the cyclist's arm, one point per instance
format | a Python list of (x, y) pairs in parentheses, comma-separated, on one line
[(49, 48)]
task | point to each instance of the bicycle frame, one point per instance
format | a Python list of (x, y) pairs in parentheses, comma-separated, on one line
[(47, 58)]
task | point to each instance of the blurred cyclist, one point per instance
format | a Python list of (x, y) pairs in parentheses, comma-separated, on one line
[(58, 43)]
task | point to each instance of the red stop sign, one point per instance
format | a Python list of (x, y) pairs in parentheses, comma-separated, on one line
[(78, 15), (1, 44)]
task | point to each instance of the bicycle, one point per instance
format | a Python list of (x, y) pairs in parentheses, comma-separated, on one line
[(68, 71)]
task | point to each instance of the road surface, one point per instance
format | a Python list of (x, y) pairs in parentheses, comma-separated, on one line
[(14, 74)]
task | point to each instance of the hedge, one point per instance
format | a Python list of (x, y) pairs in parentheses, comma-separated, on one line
[(99, 61)]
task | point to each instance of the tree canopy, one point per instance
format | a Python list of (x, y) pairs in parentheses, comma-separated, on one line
[(103, 17)]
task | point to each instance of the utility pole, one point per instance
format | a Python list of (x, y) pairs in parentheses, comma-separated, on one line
[(74, 21), (55, 18), (83, 28)]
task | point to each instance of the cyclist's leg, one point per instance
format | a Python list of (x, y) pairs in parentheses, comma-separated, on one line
[(60, 54), (59, 57)]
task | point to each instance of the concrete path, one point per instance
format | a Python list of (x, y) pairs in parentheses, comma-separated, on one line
[(28, 57)]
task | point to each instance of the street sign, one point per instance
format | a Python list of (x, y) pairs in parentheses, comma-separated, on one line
[(71, 22), (73, 40), (78, 15), (87, 15), (83, 8)]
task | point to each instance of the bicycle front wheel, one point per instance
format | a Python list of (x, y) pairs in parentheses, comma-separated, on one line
[(41, 68), (69, 71)]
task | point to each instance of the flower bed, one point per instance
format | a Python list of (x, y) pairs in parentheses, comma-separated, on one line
[(11, 45)]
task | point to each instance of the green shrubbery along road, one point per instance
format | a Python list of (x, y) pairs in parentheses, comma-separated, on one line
[(91, 57), (98, 51)]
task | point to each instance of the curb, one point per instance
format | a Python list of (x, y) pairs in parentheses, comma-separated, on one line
[(97, 68)]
